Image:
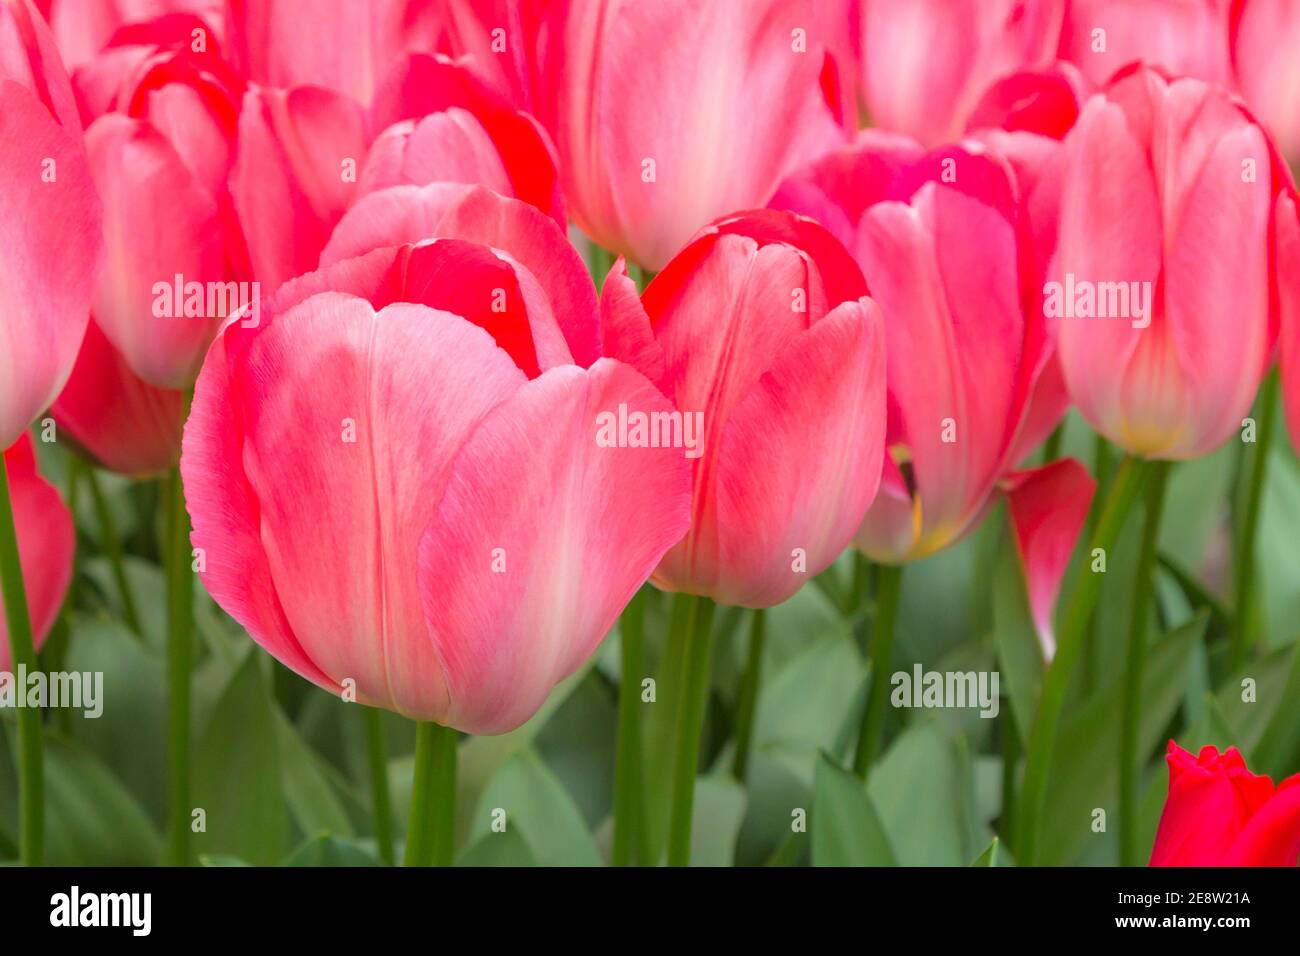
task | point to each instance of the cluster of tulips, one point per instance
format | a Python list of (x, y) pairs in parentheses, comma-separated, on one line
[(871, 251)]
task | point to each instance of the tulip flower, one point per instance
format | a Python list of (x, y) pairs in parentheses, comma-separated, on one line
[(398, 486), (161, 154), (119, 420), (652, 145), (1264, 37), (1218, 813), (925, 63), (1184, 37), (82, 29), (52, 249), (761, 330), (45, 544), (1163, 338)]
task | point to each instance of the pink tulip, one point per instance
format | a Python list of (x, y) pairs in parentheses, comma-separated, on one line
[(668, 115), (441, 123), (1265, 47), (52, 250), (1166, 332), (122, 422), (949, 243), (83, 29), (761, 333), (1188, 37), (45, 543), (161, 156), (403, 488), (346, 47), (925, 63)]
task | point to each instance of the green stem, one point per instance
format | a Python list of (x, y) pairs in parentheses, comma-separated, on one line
[(1130, 769), (377, 754), (888, 584), (1244, 619), (431, 831), (1010, 760), (693, 699), (180, 654), (748, 700), (629, 821), (31, 758), (113, 548), (1052, 447), (1070, 639)]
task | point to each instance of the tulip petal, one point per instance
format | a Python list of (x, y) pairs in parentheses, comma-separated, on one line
[(542, 537), (1272, 837), (44, 529), (160, 224), (120, 420), (50, 255), (1048, 507), (625, 327), (288, 181), (801, 459), (312, 509), (410, 214)]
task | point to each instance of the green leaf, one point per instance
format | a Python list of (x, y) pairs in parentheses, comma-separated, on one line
[(219, 859), (989, 857), (498, 849), (313, 803), (537, 803), (1020, 656), (329, 850), (846, 831), (1085, 766), (237, 774), (924, 792), (715, 824)]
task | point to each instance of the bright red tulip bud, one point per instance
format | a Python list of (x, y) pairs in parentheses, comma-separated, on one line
[(1218, 813)]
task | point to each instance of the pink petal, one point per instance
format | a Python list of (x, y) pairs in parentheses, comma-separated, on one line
[(29, 57), (801, 459), (311, 538), (1272, 837), (409, 214), (159, 223), (45, 544), (625, 326), (123, 422), (50, 256), (289, 183), (579, 527), (1048, 507)]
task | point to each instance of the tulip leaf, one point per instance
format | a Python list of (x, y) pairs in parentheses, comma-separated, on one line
[(1020, 655), (718, 813), (526, 794), (313, 803), (329, 850), (846, 830), (237, 773), (989, 857), (498, 849)]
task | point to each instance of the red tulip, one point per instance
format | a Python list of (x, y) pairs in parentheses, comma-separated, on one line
[(668, 115), (1264, 44), (122, 422), (1164, 333), (161, 156), (760, 332), (925, 63), (52, 250), (45, 543), (1218, 813), (83, 29), (1184, 37), (396, 482)]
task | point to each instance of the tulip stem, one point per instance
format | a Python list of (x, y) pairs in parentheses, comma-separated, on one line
[(431, 831), (692, 701), (112, 547), (888, 586), (377, 755), (1130, 765), (1244, 618), (629, 820), (31, 759), (748, 701), (1070, 639), (180, 654)]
